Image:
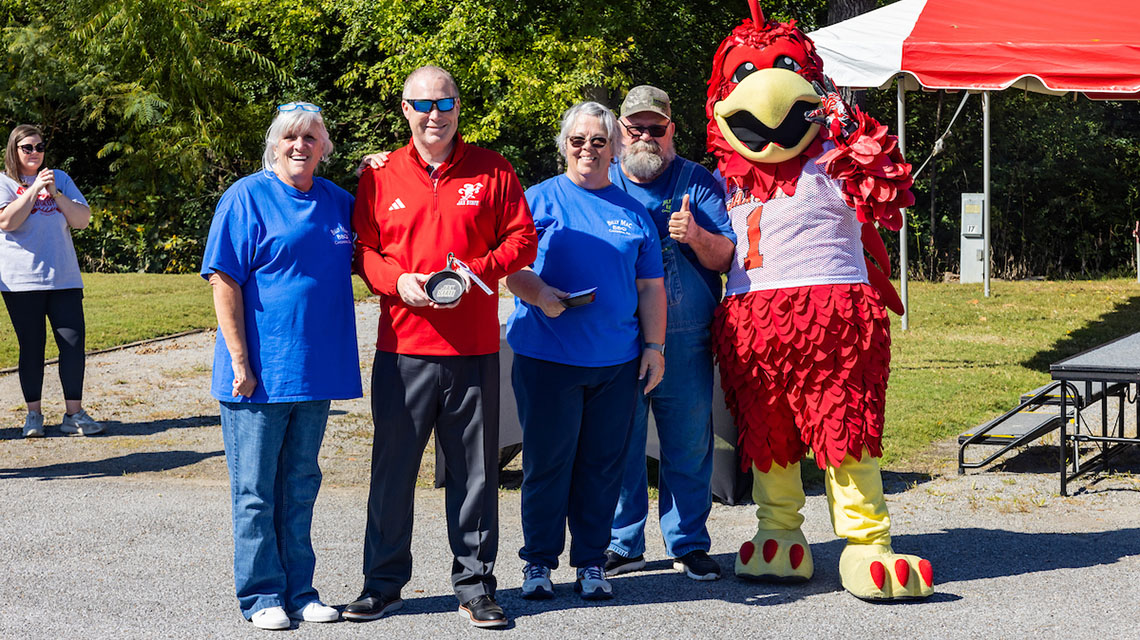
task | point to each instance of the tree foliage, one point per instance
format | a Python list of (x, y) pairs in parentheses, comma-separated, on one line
[(1065, 182), (156, 106)]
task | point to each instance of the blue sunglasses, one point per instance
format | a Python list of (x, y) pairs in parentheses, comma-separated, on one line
[(425, 106), (303, 106)]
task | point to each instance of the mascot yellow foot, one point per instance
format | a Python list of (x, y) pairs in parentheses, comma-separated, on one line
[(778, 552), (869, 568), (774, 555), (875, 572)]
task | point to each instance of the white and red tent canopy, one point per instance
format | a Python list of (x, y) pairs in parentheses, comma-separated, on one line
[(1049, 46)]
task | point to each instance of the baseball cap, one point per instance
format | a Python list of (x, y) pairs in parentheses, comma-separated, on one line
[(646, 98)]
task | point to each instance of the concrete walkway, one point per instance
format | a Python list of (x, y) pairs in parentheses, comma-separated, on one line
[(132, 557), (128, 536)]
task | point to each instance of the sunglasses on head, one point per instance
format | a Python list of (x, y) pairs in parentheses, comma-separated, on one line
[(425, 106), (303, 106), (597, 142), (28, 148), (654, 130)]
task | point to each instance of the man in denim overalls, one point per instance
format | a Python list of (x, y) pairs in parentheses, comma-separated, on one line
[(687, 204)]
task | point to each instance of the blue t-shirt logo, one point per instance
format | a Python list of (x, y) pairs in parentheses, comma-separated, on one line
[(624, 227), (341, 235)]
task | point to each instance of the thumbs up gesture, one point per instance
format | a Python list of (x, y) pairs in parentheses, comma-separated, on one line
[(681, 225)]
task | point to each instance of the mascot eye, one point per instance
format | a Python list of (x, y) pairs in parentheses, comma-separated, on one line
[(742, 72), (786, 62)]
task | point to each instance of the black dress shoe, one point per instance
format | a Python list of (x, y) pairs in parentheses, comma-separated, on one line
[(371, 606), (483, 611)]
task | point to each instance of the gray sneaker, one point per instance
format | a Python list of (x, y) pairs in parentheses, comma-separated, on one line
[(536, 582), (34, 425), (80, 423)]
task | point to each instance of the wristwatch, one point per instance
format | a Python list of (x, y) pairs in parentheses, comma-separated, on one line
[(656, 346)]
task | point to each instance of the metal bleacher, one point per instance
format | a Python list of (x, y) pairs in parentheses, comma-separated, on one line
[(1038, 413)]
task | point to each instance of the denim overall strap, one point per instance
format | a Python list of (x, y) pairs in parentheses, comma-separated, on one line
[(691, 303), (679, 185)]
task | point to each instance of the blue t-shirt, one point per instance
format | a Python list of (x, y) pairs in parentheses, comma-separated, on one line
[(291, 253), (601, 238), (706, 201)]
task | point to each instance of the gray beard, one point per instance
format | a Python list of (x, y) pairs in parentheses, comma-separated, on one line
[(643, 161)]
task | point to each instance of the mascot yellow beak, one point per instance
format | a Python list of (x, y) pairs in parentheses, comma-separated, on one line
[(763, 118)]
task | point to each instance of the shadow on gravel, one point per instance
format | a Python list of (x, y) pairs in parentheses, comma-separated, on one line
[(1121, 321), (893, 481), (1042, 459), (660, 584), (158, 426), (112, 467), (116, 428), (960, 555)]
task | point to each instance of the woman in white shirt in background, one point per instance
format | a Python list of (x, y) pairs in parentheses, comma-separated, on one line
[(39, 275)]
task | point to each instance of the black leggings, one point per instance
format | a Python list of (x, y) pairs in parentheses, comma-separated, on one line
[(64, 308)]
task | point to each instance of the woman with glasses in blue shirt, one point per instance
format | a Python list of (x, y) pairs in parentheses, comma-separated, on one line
[(279, 258), (578, 358)]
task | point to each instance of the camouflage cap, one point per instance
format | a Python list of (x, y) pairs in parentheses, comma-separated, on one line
[(646, 98)]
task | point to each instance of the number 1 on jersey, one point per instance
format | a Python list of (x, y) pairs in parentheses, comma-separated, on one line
[(753, 259)]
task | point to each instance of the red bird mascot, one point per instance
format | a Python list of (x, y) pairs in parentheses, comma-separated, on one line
[(803, 337)]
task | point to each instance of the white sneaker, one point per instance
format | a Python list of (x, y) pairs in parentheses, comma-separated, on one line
[(271, 618), (536, 582), (315, 612), (592, 584), (80, 423), (34, 425)]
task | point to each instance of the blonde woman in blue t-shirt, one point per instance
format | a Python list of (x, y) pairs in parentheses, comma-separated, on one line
[(39, 275)]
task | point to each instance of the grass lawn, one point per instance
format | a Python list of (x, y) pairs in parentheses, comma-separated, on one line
[(124, 307), (965, 359)]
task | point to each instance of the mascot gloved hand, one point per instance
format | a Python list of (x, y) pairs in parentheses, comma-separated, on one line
[(802, 337)]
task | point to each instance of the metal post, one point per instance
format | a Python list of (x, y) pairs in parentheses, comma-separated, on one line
[(986, 184), (1064, 438), (1136, 235), (905, 320)]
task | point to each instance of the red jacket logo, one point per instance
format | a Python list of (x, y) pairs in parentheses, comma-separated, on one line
[(467, 194)]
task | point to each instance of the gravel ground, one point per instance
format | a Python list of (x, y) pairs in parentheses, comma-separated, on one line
[(127, 535)]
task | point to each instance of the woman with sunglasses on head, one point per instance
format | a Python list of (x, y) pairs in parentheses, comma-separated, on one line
[(578, 358), (279, 258), (39, 275)]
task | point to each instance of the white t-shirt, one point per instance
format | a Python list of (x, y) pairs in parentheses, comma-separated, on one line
[(39, 255), (810, 238)]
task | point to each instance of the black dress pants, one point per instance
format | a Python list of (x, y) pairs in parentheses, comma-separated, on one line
[(458, 397)]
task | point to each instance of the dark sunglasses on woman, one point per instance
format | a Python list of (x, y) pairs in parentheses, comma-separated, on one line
[(596, 142), (37, 148)]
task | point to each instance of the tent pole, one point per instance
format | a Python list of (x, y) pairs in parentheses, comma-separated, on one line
[(905, 320), (986, 186)]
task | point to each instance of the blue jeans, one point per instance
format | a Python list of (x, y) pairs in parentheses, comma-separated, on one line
[(682, 408), (575, 423), (271, 454)]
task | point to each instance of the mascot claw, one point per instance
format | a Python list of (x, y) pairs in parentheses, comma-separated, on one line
[(775, 556), (875, 572)]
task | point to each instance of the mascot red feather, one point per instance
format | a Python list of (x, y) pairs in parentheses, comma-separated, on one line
[(803, 336)]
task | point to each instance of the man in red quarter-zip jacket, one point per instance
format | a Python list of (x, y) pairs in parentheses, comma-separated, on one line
[(436, 366)]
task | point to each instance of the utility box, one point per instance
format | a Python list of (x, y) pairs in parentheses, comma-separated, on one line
[(973, 238)]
